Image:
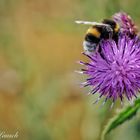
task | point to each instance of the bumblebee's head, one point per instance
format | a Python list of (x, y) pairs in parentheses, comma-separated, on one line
[(115, 27)]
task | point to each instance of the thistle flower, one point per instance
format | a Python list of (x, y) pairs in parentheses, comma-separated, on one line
[(115, 73), (126, 23)]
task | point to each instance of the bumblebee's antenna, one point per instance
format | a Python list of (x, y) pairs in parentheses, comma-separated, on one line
[(89, 23)]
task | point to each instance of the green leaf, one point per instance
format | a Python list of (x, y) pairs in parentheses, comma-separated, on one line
[(124, 115)]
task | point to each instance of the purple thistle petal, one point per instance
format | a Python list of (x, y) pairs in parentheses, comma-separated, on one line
[(117, 74)]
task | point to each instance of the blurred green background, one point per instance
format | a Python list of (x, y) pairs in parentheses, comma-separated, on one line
[(40, 95)]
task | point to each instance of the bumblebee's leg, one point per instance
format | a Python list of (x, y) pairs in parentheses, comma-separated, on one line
[(110, 32), (100, 51)]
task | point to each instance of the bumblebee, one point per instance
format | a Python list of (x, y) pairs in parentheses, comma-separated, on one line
[(98, 31)]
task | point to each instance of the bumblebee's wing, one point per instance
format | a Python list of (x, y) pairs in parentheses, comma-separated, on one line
[(90, 23)]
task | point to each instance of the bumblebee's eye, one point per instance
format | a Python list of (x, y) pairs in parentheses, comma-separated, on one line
[(91, 38)]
